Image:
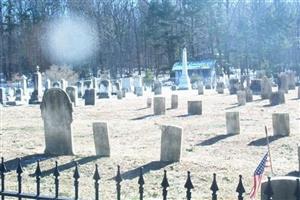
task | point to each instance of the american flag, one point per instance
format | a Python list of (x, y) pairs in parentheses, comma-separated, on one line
[(258, 174)]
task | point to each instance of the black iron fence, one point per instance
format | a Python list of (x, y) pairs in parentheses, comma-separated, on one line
[(96, 177)]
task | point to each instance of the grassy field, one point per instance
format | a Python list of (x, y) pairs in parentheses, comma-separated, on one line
[(135, 142)]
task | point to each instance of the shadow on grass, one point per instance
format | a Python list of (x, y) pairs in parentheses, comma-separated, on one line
[(234, 106), (142, 108), (263, 141), (185, 115), (142, 117), (294, 99), (152, 166), (12, 165), (214, 140)]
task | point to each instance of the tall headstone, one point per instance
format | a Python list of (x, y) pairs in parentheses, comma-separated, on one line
[(37, 94), (284, 83), (64, 84), (266, 88), (90, 97), (184, 80), (73, 94), (80, 88), (159, 105), (171, 143), (157, 87), (233, 123), (2, 96), (292, 80), (281, 124), (249, 94), (101, 139), (298, 92), (138, 85), (174, 101), (57, 111), (24, 86), (48, 84), (194, 107), (200, 88), (241, 97)]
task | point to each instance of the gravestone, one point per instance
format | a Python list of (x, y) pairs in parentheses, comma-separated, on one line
[(220, 87), (11, 92), (200, 88), (233, 85), (159, 105), (90, 97), (127, 84), (157, 87), (56, 84), (19, 95), (266, 88), (241, 97), (139, 91), (149, 102), (73, 94), (255, 86), (292, 80), (194, 107), (64, 84), (119, 95), (283, 188), (80, 89), (284, 83), (233, 123), (87, 84), (101, 139), (48, 84), (277, 98), (249, 95), (137, 84), (57, 111), (171, 143), (174, 101), (24, 86), (281, 124), (104, 89), (124, 92), (298, 92), (2, 96), (37, 93)]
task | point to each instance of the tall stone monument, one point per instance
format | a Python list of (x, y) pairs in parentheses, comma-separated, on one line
[(56, 109), (184, 81), (37, 94)]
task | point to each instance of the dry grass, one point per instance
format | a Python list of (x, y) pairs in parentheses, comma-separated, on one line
[(135, 141)]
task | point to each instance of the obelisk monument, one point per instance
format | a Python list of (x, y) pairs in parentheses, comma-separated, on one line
[(184, 81)]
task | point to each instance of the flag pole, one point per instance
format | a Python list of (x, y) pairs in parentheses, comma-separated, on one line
[(269, 151)]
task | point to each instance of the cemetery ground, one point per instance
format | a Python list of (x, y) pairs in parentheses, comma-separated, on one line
[(135, 142)]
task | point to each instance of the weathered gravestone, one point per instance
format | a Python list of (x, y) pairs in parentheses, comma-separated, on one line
[(157, 87), (220, 87), (233, 86), (64, 84), (194, 107), (89, 97), (174, 101), (283, 83), (171, 143), (249, 95), (2, 96), (56, 109), (101, 139), (119, 95), (24, 86), (149, 102), (241, 97), (266, 88), (104, 89), (281, 124), (138, 85), (200, 88), (73, 94), (37, 94), (292, 81), (159, 105), (298, 92), (277, 98), (283, 188), (233, 123), (80, 89), (255, 86)]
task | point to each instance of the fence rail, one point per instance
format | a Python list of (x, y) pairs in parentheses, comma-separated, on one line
[(96, 177)]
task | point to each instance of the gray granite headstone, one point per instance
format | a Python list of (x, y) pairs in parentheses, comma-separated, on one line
[(194, 107), (73, 94), (90, 97), (101, 139), (174, 101), (266, 88), (159, 105), (233, 123), (281, 124)]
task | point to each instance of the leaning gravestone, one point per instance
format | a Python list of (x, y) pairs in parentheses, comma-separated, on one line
[(241, 97), (249, 95), (73, 94), (174, 101), (101, 139), (159, 105), (89, 97), (281, 124), (195, 107), (266, 88), (283, 188), (233, 123), (200, 88), (171, 143), (56, 109), (277, 98)]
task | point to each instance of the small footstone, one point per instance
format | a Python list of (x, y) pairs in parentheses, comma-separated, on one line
[(159, 106), (233, 123), (281, 124), (171, 142), (195, 107), (101, 139), (174, 101)]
